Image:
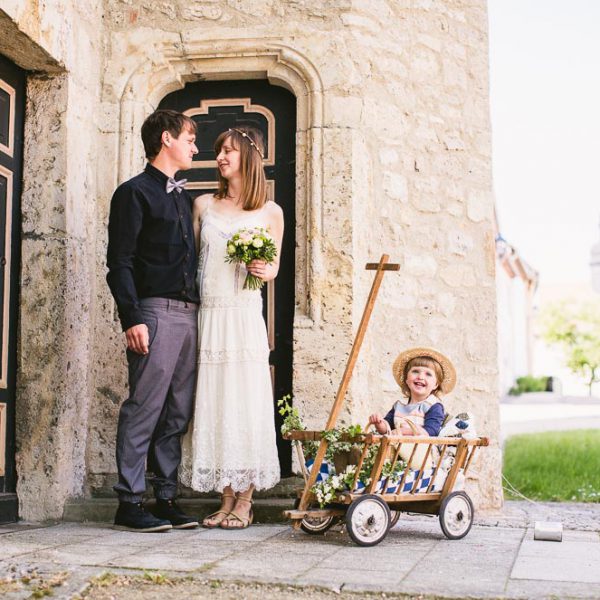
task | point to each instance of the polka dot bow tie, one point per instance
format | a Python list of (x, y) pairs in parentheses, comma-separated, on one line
[(175, 185)]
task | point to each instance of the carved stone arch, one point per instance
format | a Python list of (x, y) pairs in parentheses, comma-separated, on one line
[(169, 70)]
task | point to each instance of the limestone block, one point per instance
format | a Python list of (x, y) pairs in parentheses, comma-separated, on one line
[(479, 205), (420, 266), (343, 111), (395, 186), (458, 275), (459, 243)]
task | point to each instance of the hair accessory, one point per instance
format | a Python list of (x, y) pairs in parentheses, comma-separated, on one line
[(449, 381), (244, 134)]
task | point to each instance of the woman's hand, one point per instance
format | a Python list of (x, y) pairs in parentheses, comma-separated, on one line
[(380, 423), (263, 270)]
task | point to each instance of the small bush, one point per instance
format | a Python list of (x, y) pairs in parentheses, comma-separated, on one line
[(529, 383)]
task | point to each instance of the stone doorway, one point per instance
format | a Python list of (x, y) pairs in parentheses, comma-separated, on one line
[(217, 106)]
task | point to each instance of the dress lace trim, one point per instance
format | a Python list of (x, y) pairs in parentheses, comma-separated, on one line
[(233, 356), (245, 300), (207, 480)]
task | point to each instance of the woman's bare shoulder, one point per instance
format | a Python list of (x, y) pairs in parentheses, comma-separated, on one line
[(202, 202), (273, 209)]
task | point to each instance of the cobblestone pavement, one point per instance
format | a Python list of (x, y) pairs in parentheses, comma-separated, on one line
[(497, 559)]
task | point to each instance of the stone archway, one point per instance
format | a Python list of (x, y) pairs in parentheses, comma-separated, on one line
[(149, 82)]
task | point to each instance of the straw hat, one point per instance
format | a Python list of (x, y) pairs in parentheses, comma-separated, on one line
[(449, 381)]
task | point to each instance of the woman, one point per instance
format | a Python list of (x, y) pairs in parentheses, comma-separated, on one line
[(233, 448)]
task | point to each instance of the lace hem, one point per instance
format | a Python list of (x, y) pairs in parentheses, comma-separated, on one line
[(208, 480), (244, 300), (233, 356)]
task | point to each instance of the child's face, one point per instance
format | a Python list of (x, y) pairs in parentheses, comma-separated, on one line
[(421, 382)]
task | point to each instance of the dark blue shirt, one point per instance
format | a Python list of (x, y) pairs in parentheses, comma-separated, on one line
[(151, 247), (434, 418)]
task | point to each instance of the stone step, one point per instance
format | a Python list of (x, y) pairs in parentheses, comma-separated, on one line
[(102, 510)]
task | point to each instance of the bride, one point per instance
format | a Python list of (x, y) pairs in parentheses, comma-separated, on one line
[(232, 447)]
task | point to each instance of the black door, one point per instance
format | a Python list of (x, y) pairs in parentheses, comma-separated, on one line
[(217, 106), (12, 102)]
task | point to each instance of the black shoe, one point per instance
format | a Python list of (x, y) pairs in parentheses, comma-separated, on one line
[(132, 516), (168, 509)]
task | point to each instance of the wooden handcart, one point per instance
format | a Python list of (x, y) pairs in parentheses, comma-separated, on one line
[(370, 512)]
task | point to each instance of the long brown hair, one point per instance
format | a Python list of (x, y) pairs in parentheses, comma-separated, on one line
[(254, 183)]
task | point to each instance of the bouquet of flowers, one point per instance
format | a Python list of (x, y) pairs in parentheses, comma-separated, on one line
[(247, 245)]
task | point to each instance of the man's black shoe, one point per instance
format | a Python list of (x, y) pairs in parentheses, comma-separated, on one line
[(132, 516), (168, 509)]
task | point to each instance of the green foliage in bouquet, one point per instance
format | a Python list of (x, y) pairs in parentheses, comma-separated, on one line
[(247, 245)]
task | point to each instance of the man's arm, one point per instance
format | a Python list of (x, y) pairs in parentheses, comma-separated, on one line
[(124, 226)]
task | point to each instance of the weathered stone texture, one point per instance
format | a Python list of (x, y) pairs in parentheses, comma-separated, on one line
[(393, 156), (61, 42)]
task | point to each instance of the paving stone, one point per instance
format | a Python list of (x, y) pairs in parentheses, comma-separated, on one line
[(551, 590), (15, 548), (165, 560), (376, 580), (256, 533), (558, 561), (83, 554), (455, 568)]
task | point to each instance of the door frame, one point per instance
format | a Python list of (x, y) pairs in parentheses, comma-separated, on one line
[(13, 82)]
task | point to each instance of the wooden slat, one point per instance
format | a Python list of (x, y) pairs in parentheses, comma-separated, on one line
[(337, 404), (379, 460), (388, 267), (314, 513)]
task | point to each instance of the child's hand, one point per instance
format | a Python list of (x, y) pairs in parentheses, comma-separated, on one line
[(380, 423)]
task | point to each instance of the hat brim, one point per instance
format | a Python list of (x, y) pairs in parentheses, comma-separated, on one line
[(446, 386)]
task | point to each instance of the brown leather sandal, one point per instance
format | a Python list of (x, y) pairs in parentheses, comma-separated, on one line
[(214, 524), (245, 521)]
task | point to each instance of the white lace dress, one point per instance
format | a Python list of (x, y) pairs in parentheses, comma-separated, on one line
[(232, 436)]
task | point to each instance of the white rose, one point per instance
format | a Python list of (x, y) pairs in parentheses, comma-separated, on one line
[(230, 249), (257, 243)]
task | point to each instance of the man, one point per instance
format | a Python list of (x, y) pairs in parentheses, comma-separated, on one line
[(152, 263)]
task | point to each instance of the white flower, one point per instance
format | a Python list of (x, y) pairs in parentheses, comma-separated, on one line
[(230, 249), (257, 243)]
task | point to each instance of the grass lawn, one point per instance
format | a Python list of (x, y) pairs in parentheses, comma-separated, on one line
[(561, 466)]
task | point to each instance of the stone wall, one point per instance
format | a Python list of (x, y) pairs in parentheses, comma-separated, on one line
[(60, 42), (393, 156)]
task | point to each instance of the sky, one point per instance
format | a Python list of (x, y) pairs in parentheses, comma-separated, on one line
[(545, 110)]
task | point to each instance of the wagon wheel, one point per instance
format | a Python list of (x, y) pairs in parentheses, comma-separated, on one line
[(394, 517), (316, 525), (456, 515), (368, 520)]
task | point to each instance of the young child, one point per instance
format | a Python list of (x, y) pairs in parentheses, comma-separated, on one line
[(424, 375)]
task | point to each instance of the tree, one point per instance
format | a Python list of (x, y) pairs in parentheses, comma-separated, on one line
[(575, 328)]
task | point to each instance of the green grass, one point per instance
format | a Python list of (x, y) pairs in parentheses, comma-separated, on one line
[(558, 466)]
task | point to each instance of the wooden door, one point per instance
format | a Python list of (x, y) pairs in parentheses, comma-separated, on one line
[(216, 106), (12, 100)]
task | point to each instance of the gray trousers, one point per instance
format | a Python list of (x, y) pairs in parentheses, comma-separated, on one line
[(161, 399)]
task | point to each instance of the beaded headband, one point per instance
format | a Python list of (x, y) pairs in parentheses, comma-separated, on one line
[(244, 134)]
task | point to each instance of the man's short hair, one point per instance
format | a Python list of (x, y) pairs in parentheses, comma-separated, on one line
[(163, 120)]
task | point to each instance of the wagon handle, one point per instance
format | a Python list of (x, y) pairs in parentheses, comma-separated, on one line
[(380, 268)]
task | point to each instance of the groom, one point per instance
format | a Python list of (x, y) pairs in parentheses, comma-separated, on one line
[(152, 263)]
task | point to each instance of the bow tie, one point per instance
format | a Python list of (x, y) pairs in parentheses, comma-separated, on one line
[(175, 185)]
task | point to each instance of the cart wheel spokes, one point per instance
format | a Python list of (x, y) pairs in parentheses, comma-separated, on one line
[(456, 515), (394, 517), (368, 520), (316, 525)]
